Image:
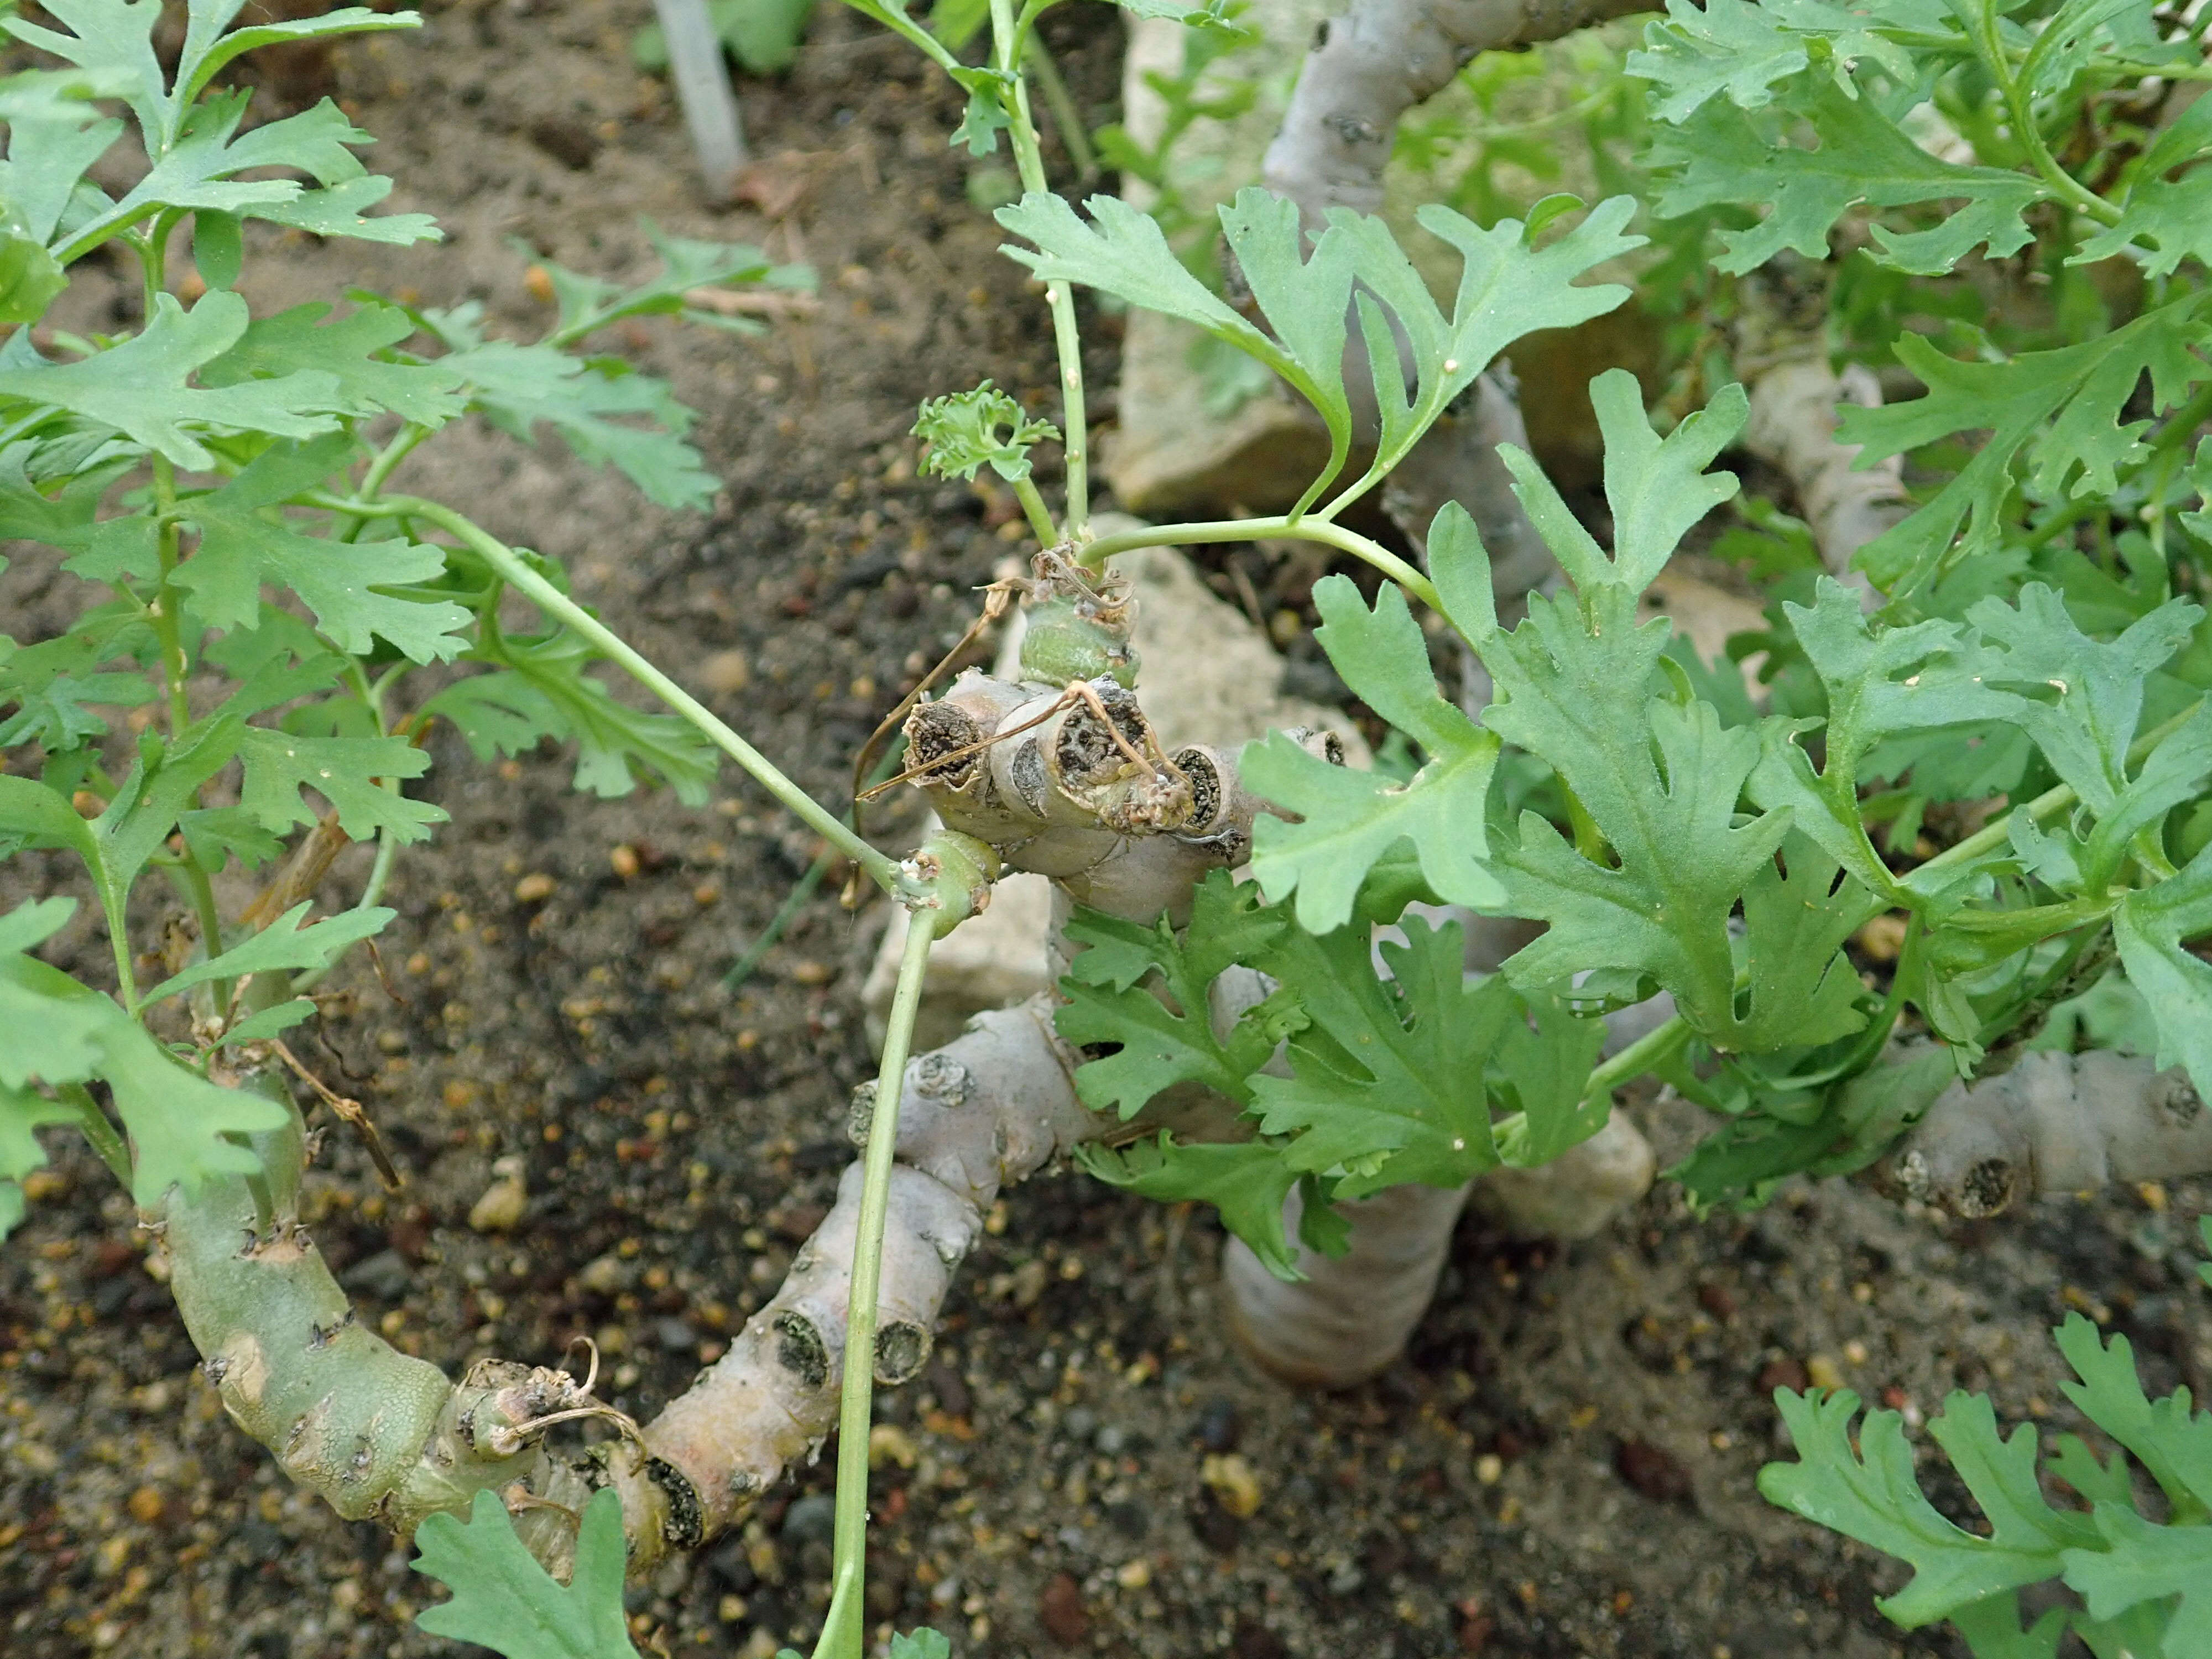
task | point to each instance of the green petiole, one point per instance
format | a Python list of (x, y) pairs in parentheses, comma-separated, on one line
[(1067, 342), (1279, 528), (516, 572), (841, 1634)]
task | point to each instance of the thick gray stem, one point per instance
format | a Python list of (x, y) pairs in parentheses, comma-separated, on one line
[(1349, 1316), (2054, 1123), (1793, 426), (1370, 66)]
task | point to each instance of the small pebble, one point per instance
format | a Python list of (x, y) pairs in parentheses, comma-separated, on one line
[(675, 1335), (1028, 1282), (502, 1206), (1234, 1485), (1133, 1575), (1784, 1373), (384, 1276), (534, 889), (1716, 1300), (1488, 1467), (1215, 1527), (1656, 1472), (811, 973), (889, 1443), (1217, 1425), (1883, 937), (624, 861), (1061, 1612), (726, 671), (1823, 1372), (146, 1504), (1252, 1640), (811, 1519)]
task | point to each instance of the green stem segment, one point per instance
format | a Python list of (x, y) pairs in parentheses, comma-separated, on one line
[(842, 1635), (105, 1138), (1033, 507), (1028, 161), (1062, 103), (516, 572), (1307, 529), (2014, 84)]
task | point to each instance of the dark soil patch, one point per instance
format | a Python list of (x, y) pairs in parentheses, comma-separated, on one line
[(1562, 1467)]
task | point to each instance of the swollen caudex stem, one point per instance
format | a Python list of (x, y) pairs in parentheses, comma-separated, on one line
[(1370, 66), (1348, 1318), (1780, 349), (378, 1435), (2054, 1123)]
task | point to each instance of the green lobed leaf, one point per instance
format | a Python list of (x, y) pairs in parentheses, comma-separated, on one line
[(1165, 1041), (606, 412), (1350, 820), (587, 303), (2174, 1442), (2143, 1563), (2085, 729), (55, 134), (68, 520), (1246, 1182), (2172, 214), (141, 387), (1871, 1493), (23, 1111), (210, 43), (542, 691), (1879, 681), (356, 349), (1390, 1081), (344, 771), (1719, 156), (30, 279), (503, 1600), (1304, 298), (284, 944), (247, 541), (1122, 252), (1803, 990), (180, 1124), (2086, 387), (1743, 51), (49, 1044), (1657, 488), (112, 41), (1507, 288), (1991, 1629)]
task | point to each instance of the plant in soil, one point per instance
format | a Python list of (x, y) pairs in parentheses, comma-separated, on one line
[(1976, 728)]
